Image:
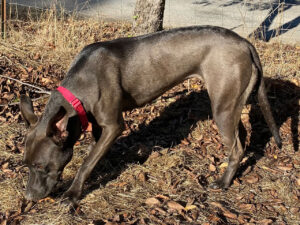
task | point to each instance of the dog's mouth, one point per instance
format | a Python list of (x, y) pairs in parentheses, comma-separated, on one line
[(35, 197)]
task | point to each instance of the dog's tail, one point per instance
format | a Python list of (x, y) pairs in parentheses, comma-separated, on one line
[(262, 98)]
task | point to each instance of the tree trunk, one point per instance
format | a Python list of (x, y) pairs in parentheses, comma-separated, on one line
[(148, 16)]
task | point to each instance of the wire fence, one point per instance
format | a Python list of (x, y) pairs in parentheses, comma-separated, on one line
[(262, 18)]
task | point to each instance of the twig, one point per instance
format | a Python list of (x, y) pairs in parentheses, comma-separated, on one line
[(9, 104), (18, 64), (33, 62), (41, 91), (17, 103), (13, 48)]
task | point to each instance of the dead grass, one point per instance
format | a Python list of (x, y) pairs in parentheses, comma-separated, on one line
[(170, 150), (55, 37), (280, 60)]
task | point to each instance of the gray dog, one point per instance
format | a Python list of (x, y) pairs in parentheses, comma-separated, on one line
[(110, 77)]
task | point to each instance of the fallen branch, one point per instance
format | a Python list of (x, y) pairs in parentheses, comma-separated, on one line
[(17, 103), (17, 64), (33, 62), (41, 90)]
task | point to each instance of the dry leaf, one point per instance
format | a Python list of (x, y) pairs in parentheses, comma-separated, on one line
[(33, 211), (5, 166), (241, 219), (7, 170), (116, 218), (48, 199), (142, 177), (287, 167), (269, 169), (46, 80), (161, 211), (252, 179), (296, 81), (195, 86), (236, 182), (122, 184), (111, 223), (153, 212), (89, 128), (175, 206), (212, 168), (152, 201), (28, 207), (213, 218), (195, 214), (230, 215), (248, 170), (247, 207), (185, 142), (276, 200), (36, 56), (294, 210), (29, 69), (244, 160), (265, 222), (226, 212), (154, 155), (219, 205), (223, 165), (190, 207), (162, 197)]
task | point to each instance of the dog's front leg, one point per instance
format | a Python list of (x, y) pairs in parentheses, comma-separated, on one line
[(109, 134)]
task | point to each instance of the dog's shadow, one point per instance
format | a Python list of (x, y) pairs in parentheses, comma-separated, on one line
[(173, 125)]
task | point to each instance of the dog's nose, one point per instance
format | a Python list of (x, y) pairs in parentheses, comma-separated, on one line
[(29, 196)]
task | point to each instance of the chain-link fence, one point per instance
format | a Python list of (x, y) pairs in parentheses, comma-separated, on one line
[(262, 18)]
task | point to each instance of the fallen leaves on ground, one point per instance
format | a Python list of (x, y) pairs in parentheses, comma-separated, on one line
[(159, 170)]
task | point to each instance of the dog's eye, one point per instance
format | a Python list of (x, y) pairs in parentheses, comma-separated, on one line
[(38, 166)]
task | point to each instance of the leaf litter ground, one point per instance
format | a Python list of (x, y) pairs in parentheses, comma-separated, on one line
[(159, 169)]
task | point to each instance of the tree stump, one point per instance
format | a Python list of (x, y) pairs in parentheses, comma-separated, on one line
[(148, 16)]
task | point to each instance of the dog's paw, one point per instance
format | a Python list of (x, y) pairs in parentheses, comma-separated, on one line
[(69, 206), (70, 199), (218, 184)]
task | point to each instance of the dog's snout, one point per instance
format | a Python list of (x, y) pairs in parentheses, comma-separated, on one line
[(34, 195), (29, 196)]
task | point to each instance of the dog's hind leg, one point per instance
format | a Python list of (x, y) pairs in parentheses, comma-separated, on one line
[(227, 104)]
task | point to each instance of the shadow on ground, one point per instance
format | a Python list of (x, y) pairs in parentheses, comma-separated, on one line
[(264, 32), (174, 125)]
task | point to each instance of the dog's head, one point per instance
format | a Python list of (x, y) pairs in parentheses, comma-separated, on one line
[(48, 148)]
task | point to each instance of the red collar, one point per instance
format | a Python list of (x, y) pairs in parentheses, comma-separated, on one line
[(77, 105)]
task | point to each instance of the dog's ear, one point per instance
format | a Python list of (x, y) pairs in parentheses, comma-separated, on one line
[(57, 127), (27, 112)]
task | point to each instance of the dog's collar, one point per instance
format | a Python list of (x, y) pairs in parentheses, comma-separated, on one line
[(77, 105)]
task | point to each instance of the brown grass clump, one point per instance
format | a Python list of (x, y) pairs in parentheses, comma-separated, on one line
[(159, 169), (280, 60), (55, 37)]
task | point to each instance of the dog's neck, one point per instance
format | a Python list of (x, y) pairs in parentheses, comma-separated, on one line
[(55, 102)]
